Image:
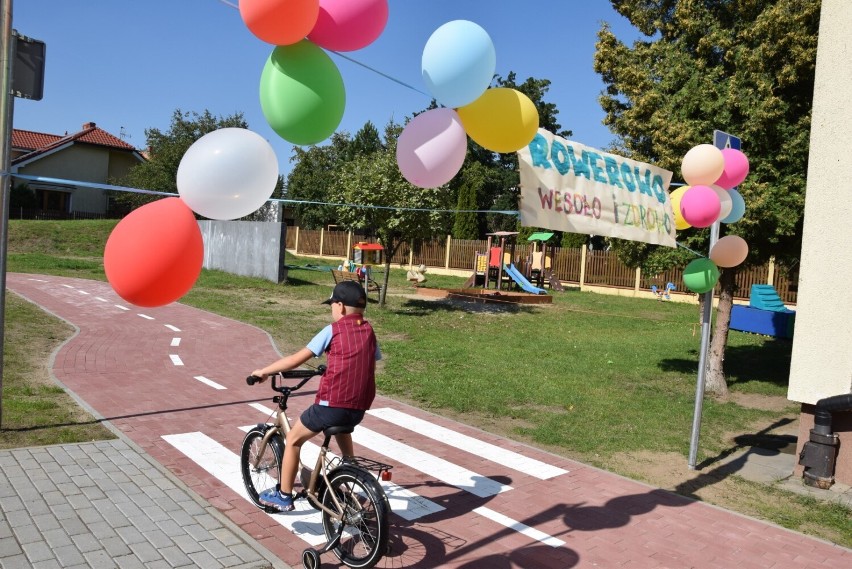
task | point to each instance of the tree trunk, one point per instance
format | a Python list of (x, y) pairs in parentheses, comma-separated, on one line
[(391, 245), (716, 383)]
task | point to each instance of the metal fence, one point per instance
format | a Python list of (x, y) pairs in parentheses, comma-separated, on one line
[(598, 268)]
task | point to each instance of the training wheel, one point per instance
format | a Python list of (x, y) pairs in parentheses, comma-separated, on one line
[(310, 559)]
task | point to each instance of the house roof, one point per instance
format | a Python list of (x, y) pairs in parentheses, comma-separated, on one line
[(40, 143), (29, 140)]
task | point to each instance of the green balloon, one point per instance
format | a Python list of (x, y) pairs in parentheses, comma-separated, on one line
[(701, 275), (302, 93)]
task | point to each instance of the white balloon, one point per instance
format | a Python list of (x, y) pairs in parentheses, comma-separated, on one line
[(227, 174), (724, 199)]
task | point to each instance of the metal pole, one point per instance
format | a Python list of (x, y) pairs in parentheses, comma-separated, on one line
[(702, 361), (6, 62)]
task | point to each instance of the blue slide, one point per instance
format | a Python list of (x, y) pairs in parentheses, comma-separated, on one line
[(516, 276)]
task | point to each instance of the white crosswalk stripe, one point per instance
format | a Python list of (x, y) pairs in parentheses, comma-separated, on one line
[(519, 462)]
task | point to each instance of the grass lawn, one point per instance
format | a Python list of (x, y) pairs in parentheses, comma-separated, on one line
[(597, 378)]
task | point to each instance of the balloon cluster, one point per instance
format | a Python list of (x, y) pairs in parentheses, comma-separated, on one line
[(155, 254), (710, 196), (301, 90), (458, 64)]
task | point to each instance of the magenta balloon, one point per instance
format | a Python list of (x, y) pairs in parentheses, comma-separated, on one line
[(700, 206), (736, 169), (347, 25), (431, 148)]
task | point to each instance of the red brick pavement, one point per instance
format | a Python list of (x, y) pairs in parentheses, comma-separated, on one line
[(119, 364)]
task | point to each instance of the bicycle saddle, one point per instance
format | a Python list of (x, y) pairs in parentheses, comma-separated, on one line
[(337, 430)]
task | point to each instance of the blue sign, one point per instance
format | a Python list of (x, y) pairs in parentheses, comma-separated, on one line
[(722, 140)]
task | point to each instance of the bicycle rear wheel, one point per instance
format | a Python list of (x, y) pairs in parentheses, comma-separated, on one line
[(267, 472), (364, 530)]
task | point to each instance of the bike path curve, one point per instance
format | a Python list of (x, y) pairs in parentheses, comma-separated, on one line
[(172, 380)]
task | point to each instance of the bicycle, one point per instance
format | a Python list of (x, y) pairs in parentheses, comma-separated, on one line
[(355, 509)]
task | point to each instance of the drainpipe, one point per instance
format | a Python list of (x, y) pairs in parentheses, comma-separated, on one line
[(819, 454)]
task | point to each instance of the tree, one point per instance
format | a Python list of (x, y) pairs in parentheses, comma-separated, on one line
[(165, 151), (466, 225), (742, 67), (390, 203), (312, 179)]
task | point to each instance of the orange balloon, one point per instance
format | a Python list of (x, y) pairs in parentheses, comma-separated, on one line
[(280, 22), (155, 254)]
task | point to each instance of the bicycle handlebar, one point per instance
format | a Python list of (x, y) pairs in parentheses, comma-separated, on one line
[(306, 374)]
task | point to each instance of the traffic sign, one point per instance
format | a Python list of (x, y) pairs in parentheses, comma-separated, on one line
[(722, 140)]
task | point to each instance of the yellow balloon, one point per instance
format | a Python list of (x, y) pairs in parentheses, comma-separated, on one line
[(675, 197), (501, 120)]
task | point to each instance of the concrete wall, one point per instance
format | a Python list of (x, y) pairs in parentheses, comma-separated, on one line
[(246, 248), (822, 346)]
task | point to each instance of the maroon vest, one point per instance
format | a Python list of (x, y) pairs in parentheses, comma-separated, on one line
[(350, 377)]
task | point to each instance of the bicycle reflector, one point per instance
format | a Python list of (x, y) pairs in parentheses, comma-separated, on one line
[(386, 475)]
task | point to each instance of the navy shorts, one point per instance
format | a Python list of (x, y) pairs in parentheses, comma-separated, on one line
[(319, 417)]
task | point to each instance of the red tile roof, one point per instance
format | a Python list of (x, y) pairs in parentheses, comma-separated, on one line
[(29, 140), (39, 143)]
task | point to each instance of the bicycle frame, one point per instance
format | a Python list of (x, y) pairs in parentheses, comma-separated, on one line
[(281, 427)]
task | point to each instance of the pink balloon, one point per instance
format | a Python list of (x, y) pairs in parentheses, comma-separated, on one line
[(736, 169), (431, 148), (729, 251), (700, 206), (347, 25)]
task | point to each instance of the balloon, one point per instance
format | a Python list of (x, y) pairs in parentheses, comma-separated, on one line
[(700, 206), (729, 251), (736, 168), (702, 165), (301, 93), (279, 22), (458, 63), (154, 255), (675, 197), (737, 207), (347, 25), (700, 275), (431, 148), (227, 174), (724, 200), (502, 120)]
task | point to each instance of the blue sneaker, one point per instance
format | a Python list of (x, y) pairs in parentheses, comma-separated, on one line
[(276, 500)]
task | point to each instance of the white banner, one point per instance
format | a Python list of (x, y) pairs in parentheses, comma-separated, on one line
[(567, 186)]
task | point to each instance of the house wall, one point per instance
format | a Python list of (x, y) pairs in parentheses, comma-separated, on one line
[(85, 163), (247, 248), (821, 363)]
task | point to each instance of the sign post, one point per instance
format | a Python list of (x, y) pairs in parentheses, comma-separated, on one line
[(721, 140)]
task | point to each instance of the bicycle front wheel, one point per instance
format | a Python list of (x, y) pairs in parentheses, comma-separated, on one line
[(260, 464), (364, 530)]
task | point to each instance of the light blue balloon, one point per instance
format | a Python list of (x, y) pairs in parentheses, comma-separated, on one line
[(737, 209), (458, 63)]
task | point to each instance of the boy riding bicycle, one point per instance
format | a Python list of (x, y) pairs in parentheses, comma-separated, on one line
[(345, 392)]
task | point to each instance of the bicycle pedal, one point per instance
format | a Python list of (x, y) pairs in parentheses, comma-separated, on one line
[(300, 494)]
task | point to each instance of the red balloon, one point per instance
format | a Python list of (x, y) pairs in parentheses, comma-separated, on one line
[(280, 22), (155, 254)]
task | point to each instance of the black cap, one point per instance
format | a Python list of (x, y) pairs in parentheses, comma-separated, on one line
[(349, 293)]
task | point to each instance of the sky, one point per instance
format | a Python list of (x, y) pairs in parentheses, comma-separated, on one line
[(127, 65)]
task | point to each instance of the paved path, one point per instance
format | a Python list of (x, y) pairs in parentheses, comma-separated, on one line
[(172, 380)]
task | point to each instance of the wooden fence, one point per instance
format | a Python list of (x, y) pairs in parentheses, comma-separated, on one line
[(597, 268)]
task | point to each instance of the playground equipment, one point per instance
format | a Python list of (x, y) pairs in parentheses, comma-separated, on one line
[(766, 314), (540, 263), (367, 255), (416, 274), (663, 294)]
